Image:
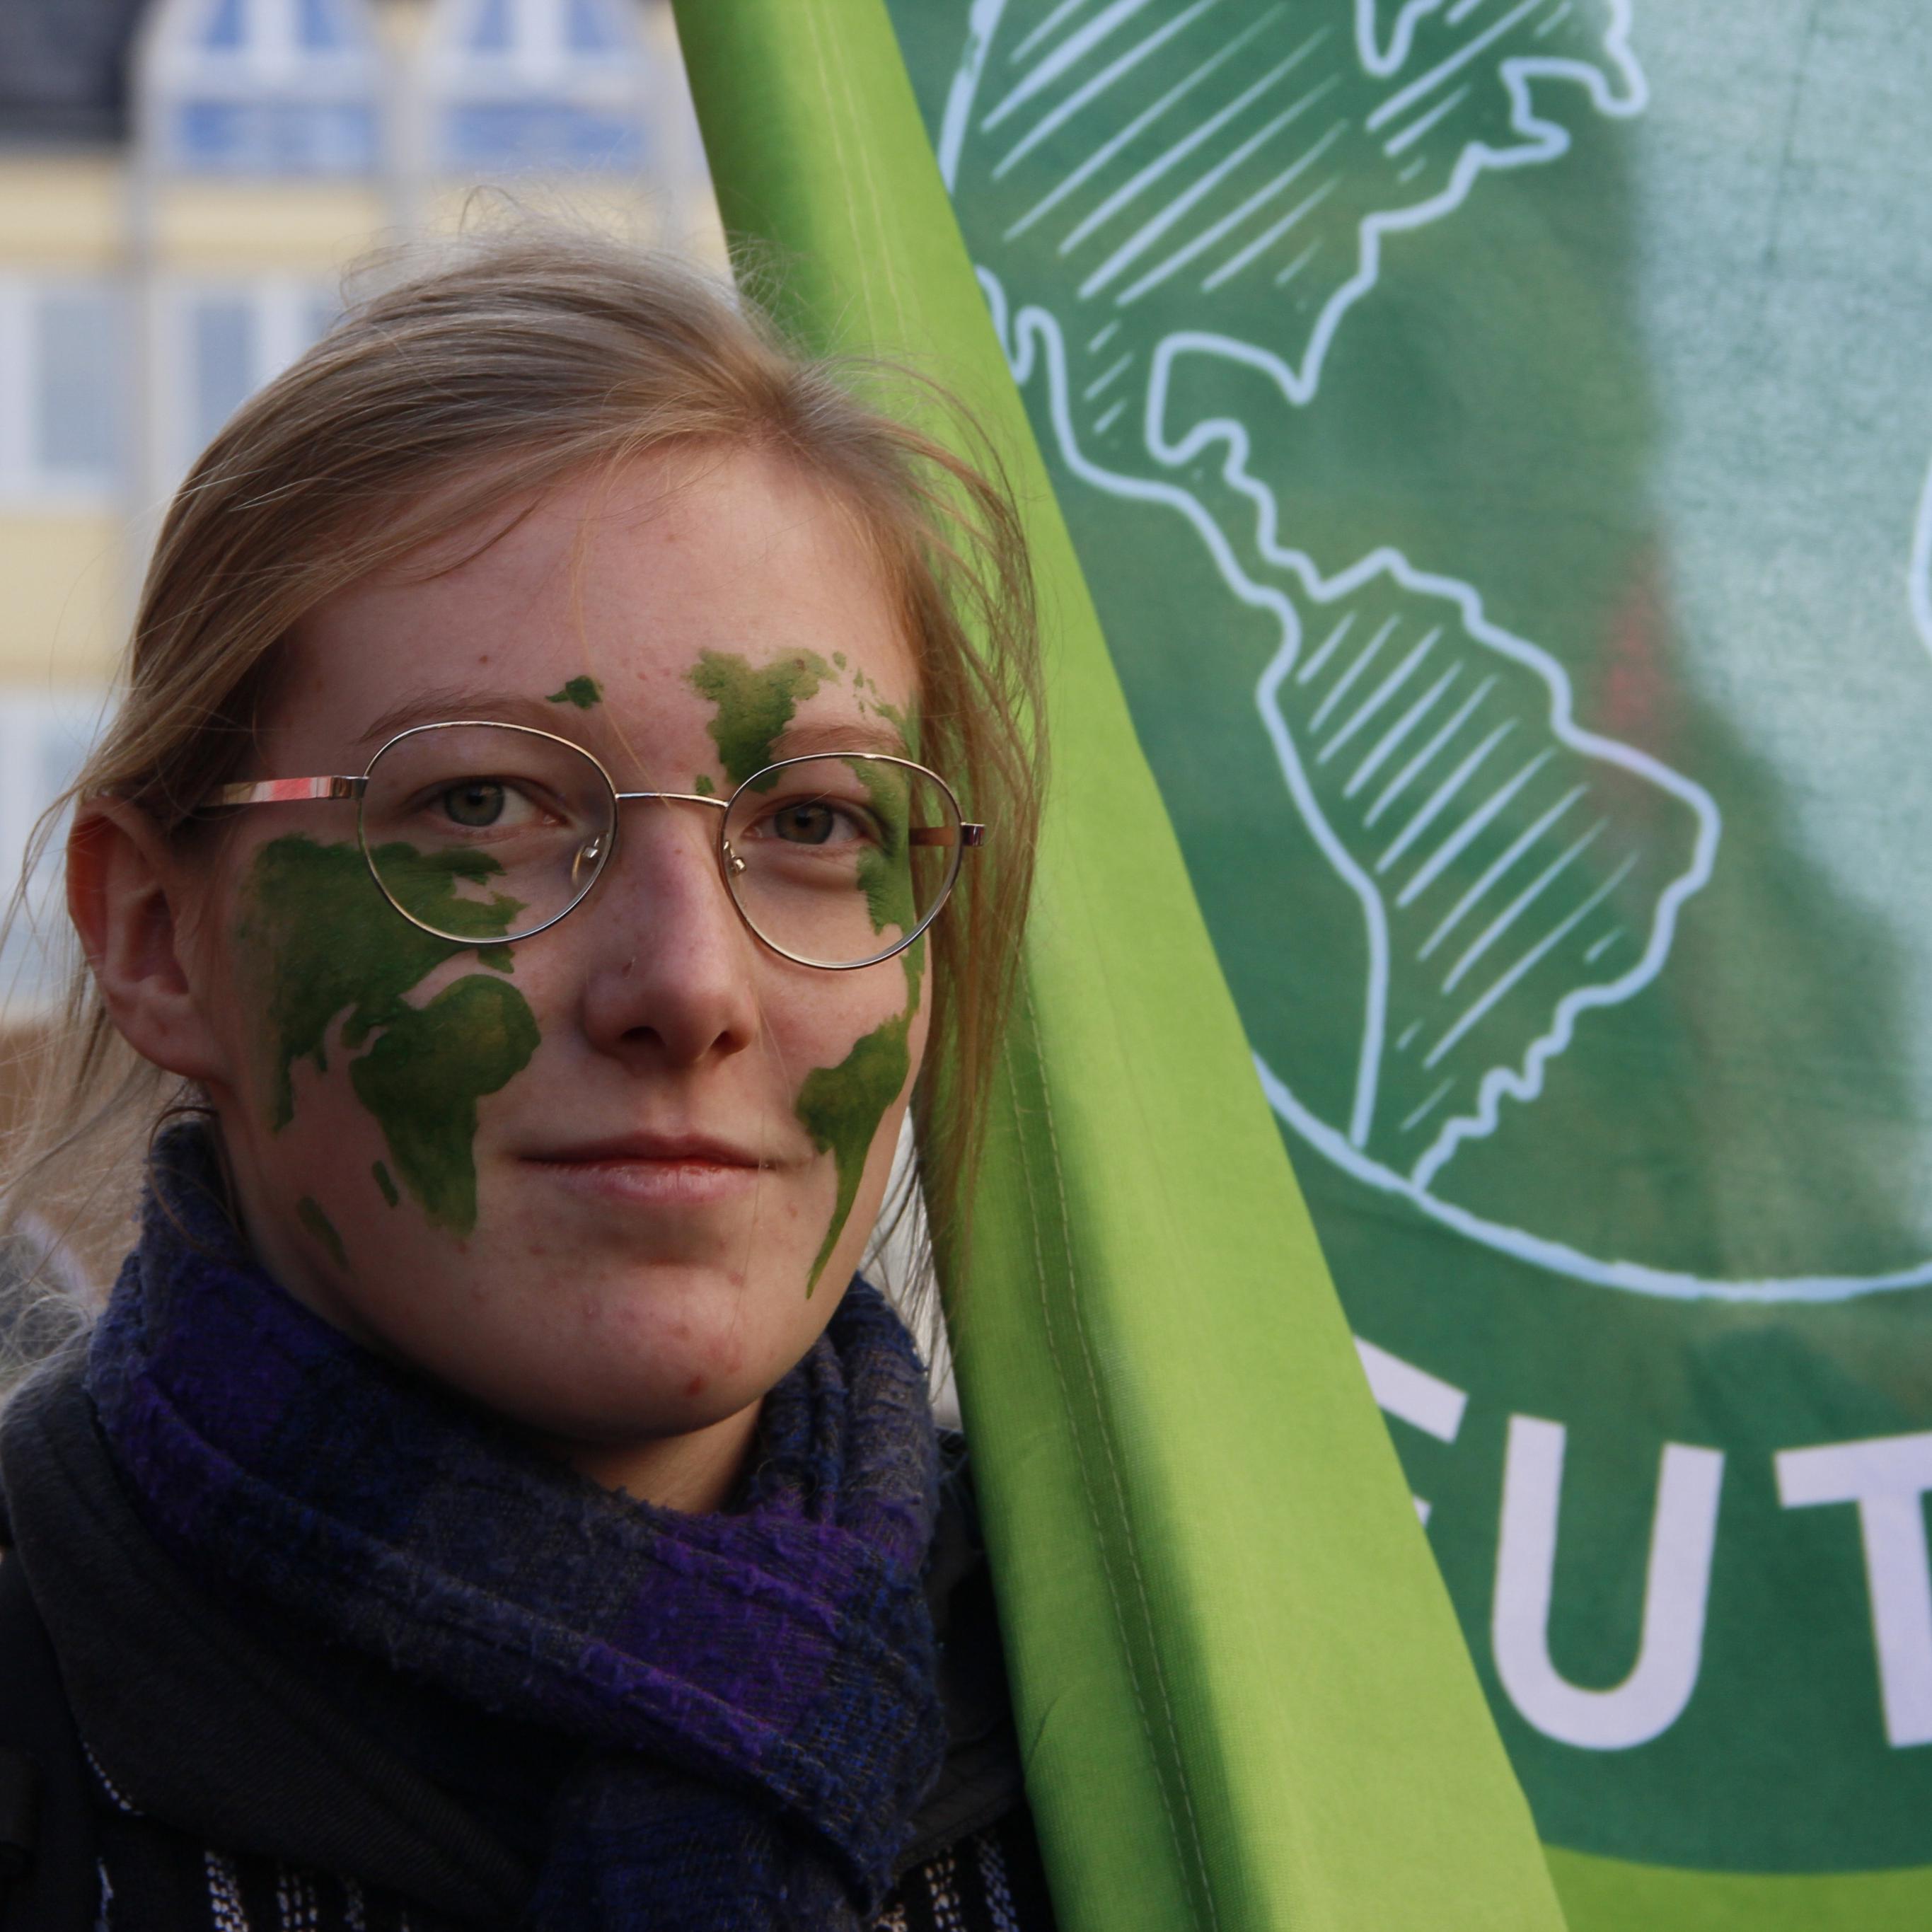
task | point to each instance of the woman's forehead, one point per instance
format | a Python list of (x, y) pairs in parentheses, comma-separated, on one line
[(627, 583)]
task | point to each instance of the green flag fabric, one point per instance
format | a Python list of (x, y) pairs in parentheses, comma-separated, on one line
[(1496, 433), (1243, 1697)]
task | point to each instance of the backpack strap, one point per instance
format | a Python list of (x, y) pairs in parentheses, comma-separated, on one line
[(48, 1852)]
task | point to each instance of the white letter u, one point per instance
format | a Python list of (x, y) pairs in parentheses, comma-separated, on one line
[(1676, 1588)]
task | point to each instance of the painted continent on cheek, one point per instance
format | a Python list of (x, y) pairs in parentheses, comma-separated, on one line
[(840, 1107), (422, 1078), (321, 943), (754, 703)]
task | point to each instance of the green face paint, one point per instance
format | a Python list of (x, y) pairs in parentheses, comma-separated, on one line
[(422, 1078), (841, 1107), (885, 874), (383, 1181), (321, 942), (754, 706), (702, 786), (308, 1211), (905, 723), (583, 692)]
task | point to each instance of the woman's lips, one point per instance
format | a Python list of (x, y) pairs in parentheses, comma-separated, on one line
[(652, 1171)]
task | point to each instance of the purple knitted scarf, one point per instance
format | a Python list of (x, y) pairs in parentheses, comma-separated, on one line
[(754, 1690)]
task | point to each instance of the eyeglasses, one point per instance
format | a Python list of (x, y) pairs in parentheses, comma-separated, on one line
[(479, 832)]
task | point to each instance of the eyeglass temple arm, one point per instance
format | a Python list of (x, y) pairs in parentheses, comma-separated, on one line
[(287, 791)]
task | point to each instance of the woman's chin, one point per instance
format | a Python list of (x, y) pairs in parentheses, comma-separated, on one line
[(648, 1350)]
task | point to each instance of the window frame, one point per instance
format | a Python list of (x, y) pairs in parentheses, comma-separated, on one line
[(271, 67), (281, 305), (27, 485), (537, 67), (29, 716)]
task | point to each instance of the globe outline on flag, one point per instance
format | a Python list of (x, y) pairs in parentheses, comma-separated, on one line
[(1384, 684)]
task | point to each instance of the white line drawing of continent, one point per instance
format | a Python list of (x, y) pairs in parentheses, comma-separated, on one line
[(1188, 207), (1425, 733), (1168, 192)]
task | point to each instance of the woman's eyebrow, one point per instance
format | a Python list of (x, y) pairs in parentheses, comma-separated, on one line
[(799, 741), (457, 702)]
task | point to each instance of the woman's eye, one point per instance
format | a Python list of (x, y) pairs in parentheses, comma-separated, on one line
[(818, 821), (481, 805), (805, 824)]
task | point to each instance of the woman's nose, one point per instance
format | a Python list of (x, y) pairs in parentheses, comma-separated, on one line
[(674, 969)]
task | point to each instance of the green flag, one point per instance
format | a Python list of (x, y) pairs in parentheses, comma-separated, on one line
[(1496, 433), (1242, 1697)]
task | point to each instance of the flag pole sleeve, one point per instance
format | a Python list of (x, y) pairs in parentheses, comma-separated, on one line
[(1243, 1697)]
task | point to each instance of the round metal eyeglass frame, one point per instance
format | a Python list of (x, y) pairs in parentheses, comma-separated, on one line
[(962, 835)]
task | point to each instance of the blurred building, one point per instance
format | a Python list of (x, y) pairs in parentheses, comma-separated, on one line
[(182, 183)]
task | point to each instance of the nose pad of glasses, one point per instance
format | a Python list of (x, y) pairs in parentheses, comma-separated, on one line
[(732, 863), (589, 856)]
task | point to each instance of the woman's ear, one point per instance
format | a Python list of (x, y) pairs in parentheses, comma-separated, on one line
[(125, 895)]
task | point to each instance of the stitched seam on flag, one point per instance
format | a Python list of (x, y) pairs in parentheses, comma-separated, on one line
[(1193, 1842)]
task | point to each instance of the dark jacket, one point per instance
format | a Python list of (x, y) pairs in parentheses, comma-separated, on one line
[(196, 1773)]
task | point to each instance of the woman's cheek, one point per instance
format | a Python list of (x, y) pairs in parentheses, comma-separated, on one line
[(331, 968), (842, 1107)]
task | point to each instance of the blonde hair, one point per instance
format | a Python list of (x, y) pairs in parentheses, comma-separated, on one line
[(505, 366)]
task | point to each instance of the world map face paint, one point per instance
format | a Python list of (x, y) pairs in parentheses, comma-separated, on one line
[(754, 706), (840, 1106), (321, 945)]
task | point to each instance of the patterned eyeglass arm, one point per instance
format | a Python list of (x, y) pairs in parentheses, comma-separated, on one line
[(285, 791)]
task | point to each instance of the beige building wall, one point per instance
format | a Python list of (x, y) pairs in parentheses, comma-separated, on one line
[(62, 562), (62, 211), (63, 610)]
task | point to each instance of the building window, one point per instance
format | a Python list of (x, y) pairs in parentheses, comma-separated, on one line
[(221, 342), (522, 86), (63, 387), (265, 87), (43, 738)]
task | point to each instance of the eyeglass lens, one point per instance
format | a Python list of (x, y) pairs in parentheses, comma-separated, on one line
[(484, 831)]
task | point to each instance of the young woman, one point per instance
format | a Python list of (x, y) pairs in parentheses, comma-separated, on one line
[(572, 779)]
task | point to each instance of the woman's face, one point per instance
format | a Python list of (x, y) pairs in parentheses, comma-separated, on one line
[(589, 1178)]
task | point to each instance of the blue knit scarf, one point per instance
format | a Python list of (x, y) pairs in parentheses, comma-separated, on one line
[(753, 1691)]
